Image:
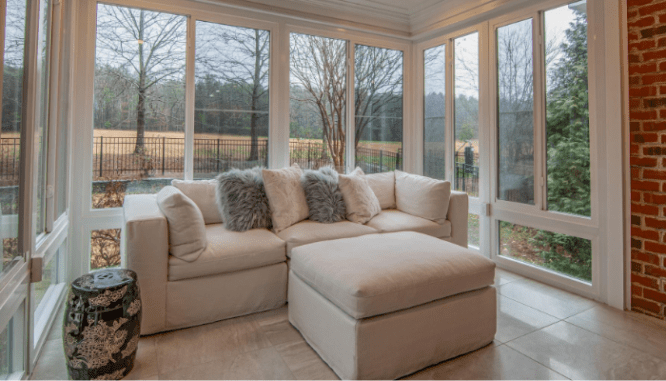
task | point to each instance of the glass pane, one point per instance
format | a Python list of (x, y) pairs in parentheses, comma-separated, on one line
[(466, 114), (139, 108), (318, 100), (568, 115), (378, 108), (434, 110), (41, 122), (515, 112), (12, 348), (231, 98), (10, 134), (559, 252), (104, 248), (473, 230)]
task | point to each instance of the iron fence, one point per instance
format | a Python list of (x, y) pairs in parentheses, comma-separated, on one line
[(10, 150)]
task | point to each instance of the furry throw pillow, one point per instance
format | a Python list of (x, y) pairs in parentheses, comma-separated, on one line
[(241, 199), (325, 202)]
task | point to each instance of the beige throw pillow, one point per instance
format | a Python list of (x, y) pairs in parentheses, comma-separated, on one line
[(286, 197), (383, 184), (360, 200), (202, 192), (422, 196), (187, 231)]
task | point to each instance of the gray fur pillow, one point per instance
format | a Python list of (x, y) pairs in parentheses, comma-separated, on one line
[(323, 195), (242, 200)]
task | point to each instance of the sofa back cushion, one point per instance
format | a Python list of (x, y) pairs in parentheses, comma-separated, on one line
[(360, 201), (242, 200), (422, 196), (202, 192), (383, 184), (325, 201), (187, 230), (285, 196)]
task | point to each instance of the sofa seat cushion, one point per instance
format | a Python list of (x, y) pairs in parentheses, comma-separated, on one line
[(230, 251), (393, 220), (381, 273), (307, 231)]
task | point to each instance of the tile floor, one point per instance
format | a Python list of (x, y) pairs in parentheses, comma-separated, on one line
[(542, 333)]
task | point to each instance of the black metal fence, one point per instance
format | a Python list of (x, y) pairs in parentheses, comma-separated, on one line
[(10, 151), (313, 155)]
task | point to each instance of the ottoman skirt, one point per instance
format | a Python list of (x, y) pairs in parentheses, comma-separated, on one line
[(394, 344)]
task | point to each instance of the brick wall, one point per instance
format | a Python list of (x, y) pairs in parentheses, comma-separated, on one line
[(647, 103)]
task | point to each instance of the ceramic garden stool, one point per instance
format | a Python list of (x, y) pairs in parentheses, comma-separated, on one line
[(102, 325)]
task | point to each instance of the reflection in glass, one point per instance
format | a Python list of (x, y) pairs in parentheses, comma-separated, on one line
[(378, 108), (139, 102), (559, 252), (434, 109), (231, 98), (104, 248), (515, 112), (567, 109), (466, 114), (317, 123)]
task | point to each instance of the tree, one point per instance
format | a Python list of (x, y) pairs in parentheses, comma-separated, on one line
[(150, 46), (237, 56), (12, 73)]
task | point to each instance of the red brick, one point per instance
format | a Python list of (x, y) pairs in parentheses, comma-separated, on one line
[(645, 185), (663, 140), (645, 304), (635, 196), (636, 220), (632, 36), (636, 243), (636, 290), (642, 22), (652, 126), (646, 234), (655, 271), (664, 264), (636, 172), (642, 45), (637, 3), (655, 247), (655, 224), (654, 78), (635, 80), (654, 174), (652, 198), (649, 9), (656, 296), (645, 91), (663, 187), (644, 281), (651, 103), (642, 68), (636, 102), (635, 126), (643, 115), (643, 161), (645, 138), (654, 151), (634, 149), (642, 256), (651, 32), (636, 267), (661, 42), (662, 113)]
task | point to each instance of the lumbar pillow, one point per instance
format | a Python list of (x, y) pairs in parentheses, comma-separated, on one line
[(242, 200), (383, 184), (202, 192), (360, 201), (422, 196), (323, 195), (285, 196), (187, 231)]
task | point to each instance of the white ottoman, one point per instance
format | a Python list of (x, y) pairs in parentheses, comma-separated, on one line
[(386, 305)]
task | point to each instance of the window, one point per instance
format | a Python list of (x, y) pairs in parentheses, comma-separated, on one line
[(42, 120), (104, 248), (515, 105), (567, 109), (318, 93), (231, 105), (378, 108), (139, 102), (434, 112), (10, 138), (12, 349)]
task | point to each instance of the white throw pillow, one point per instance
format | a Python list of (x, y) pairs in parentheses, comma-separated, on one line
[(285, 196), (422, 196), (187, 231), (383, 184), (202, 192), (360, 200)]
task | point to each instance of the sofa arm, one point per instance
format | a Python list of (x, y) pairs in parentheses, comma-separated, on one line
[(145, 246), (458, 214)]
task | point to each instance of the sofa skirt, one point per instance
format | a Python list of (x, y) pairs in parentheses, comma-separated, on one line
[(197, 301), (395, 344)]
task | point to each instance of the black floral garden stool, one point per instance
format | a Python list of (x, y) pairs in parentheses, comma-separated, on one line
[(102, 325)]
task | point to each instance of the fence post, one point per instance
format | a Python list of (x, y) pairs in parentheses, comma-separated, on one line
[(309, 156), (266, 162), (163, 154), (397, 160), (217, 156), (101, 154), (381, 160)]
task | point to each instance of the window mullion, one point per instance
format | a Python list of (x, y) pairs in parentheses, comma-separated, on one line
[(53, 116), (539, 111), (350, 152), (189, 99), (449, 117)]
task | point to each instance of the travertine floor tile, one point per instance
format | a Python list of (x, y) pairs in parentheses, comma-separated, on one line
[(51, 364), (550, 300), (516, 319), (304, 362), (503, 277)]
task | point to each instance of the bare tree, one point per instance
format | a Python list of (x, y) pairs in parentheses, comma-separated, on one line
[(318, 65), (150, 45), (238, 56)]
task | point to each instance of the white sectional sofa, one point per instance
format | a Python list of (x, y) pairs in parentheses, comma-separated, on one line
[(242, 273)]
